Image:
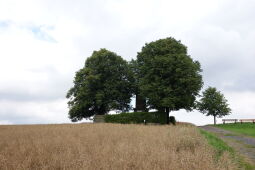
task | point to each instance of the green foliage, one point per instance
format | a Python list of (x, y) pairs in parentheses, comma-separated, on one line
[(172, 120), (136, 117), (104, 84), (135, 73), (219, 145), (244, 128), (169, 78), (213, 103)]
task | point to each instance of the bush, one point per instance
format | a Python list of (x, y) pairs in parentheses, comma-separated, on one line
[(172, 120), (136, 117)]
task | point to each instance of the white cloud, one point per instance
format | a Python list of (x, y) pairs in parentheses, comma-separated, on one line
[(5, 122), (242, 104), (33, 112)]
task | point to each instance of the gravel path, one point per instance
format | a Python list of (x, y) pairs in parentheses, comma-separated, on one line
[(243, 144)]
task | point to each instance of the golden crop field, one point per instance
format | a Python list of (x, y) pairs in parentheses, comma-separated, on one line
[(106, 146)]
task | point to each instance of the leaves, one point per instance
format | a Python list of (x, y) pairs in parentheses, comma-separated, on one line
[(213, 103), (169, 78), (104, 84)]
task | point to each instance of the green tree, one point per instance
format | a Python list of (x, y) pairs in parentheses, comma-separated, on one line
[(104, 84), (170, 79), (213, 103)]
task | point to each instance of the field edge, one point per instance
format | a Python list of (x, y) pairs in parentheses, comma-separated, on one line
[(220, 147)]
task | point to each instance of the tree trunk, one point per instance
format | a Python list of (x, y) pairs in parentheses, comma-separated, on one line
[(140, 103), (167, 115), (214, 120)]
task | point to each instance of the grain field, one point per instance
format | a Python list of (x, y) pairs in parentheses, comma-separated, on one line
[(106, 146)]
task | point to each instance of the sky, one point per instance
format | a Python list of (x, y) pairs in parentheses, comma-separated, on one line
[(44, 42)]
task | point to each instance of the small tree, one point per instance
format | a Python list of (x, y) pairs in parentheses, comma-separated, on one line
[(213, 103), (104, 84)]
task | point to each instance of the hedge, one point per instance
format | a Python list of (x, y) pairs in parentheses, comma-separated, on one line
[(136, 117)]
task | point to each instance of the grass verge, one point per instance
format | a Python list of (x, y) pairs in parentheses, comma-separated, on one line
[(220, 147)]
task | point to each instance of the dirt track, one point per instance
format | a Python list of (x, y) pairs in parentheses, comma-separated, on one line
[(243, 144)]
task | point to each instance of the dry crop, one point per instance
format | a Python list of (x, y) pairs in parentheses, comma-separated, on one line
[(107, 146)]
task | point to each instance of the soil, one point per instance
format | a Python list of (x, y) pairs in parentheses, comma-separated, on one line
[(244, 145)]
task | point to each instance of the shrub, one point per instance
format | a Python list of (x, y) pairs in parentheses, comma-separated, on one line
[(136, 117)]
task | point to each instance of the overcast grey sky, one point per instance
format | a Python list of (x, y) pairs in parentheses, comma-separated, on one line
[(44, 42)]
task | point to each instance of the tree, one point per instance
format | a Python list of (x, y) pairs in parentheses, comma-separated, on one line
[(170, 79), (213, 103), (104, 84)]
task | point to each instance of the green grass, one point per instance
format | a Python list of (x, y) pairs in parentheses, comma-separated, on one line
[(220, 146), (245, 128)]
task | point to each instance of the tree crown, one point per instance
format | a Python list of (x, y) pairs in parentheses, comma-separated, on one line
[(169, 76), (213, 103), (105, 83)]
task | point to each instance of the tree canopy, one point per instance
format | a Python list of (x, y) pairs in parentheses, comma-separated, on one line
[(170, 79), (213, 103), (105, 83)]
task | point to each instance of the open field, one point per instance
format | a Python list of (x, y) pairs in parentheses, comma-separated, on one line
[(244, 128), (108, 146)]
